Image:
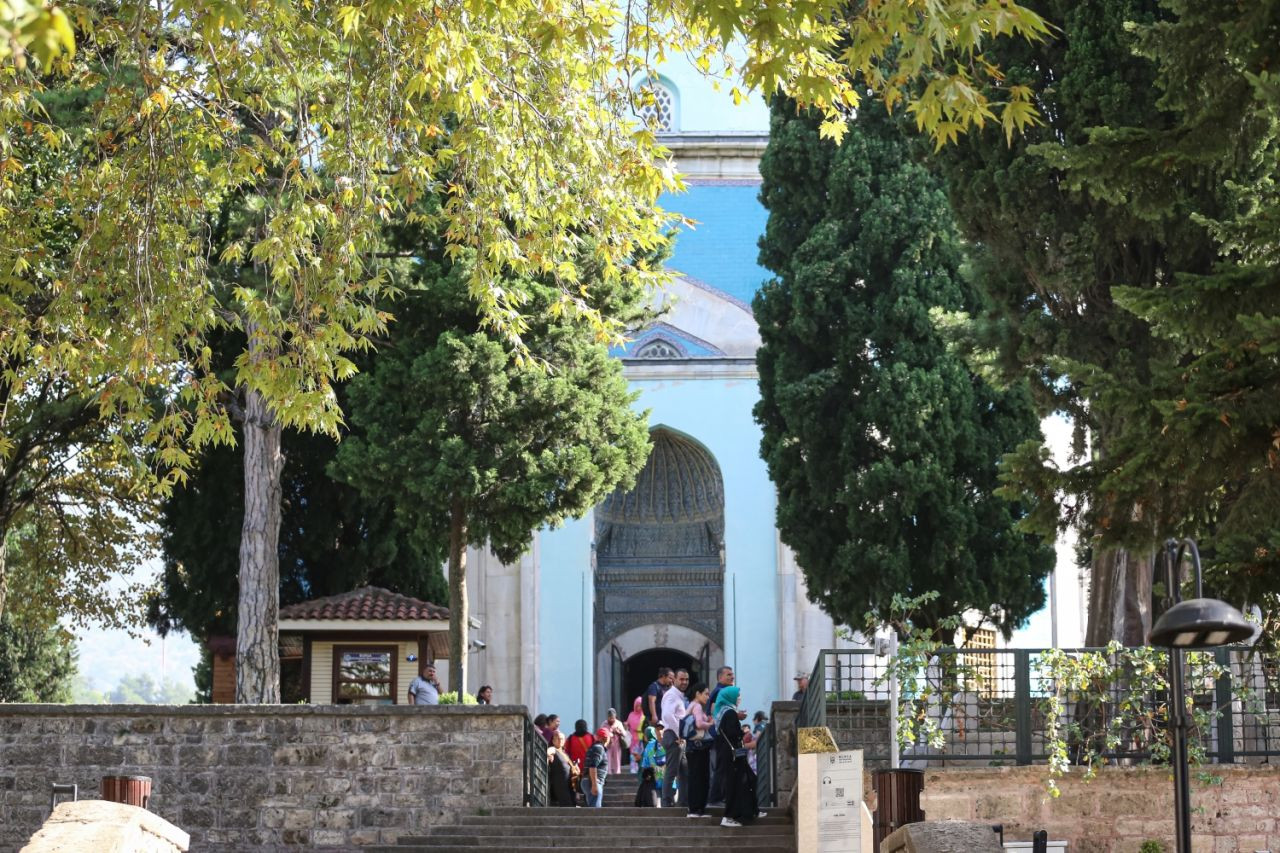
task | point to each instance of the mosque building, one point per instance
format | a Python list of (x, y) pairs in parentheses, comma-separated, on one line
[(686, 569)]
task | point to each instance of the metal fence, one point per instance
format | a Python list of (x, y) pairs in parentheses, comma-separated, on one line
[(535, 766), (766, 766), (991, 706)]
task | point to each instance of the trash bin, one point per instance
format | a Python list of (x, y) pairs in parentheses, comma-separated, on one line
[(897, 800), (130, 790)]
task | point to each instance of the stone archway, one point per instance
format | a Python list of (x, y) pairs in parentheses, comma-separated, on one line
[(633, 657)]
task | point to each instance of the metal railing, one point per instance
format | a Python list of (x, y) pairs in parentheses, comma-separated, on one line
[(766, 766), (990, 706), (535, 766)]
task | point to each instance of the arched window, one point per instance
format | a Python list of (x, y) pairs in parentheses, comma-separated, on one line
[(661, 111), (658, 348)]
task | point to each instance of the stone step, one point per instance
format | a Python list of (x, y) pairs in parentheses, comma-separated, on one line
[(593, 817), (627, 811), (663, 844), (729, 839), (694, 827)]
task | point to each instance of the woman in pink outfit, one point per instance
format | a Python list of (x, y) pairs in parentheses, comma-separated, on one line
[(617, 736), (635, 722)]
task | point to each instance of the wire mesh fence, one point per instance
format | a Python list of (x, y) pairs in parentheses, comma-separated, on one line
[(766, 767), (994, 706), (535, 767)]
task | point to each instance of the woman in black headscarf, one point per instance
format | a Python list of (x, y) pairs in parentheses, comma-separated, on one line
[(560, 773)]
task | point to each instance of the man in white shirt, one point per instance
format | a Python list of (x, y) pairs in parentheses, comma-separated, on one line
[(425, 689), (674, 706)]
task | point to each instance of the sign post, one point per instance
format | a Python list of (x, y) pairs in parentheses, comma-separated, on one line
[(830, 814)]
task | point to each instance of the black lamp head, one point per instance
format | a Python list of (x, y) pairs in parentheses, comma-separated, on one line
[(1200, 623)]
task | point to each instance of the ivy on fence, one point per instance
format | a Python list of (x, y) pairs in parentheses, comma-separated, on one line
[(1096, 706)]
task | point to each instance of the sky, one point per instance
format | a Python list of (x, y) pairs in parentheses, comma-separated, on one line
[(106, 656), (1070, 609)]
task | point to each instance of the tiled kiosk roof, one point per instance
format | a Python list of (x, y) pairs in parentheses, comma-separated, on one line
[(367, 602)]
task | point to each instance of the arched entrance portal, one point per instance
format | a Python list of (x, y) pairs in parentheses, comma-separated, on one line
[(659, 567)]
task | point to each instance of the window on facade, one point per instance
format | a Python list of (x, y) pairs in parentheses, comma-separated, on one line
[(662, 112), (658, 348), (364, 675), (982, 668)]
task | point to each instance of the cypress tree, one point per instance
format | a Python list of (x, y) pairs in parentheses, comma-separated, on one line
[(883, 445)]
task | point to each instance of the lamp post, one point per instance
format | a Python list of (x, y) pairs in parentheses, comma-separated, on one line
[(1200, 623)]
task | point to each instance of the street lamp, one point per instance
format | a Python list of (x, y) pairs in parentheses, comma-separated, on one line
[(1200, 623)]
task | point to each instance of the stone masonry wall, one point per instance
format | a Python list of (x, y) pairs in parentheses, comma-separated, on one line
[(1118, 810), (268, 777)]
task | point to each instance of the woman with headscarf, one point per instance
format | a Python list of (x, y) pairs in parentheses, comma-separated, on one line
[(617, 740), (647, 795), (635, 722), (578, 743), (560, 773), (739, 783)]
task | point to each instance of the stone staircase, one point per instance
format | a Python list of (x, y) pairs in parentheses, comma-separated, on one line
[(616, 827)]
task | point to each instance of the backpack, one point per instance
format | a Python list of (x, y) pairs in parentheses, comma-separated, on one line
[(688, 727)]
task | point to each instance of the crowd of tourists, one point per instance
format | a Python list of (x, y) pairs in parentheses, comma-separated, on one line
[(689, 746)]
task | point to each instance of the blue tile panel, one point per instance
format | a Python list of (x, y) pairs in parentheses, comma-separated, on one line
[(721, 250)]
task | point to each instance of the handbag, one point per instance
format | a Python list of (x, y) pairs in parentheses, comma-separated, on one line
[(738, 751)]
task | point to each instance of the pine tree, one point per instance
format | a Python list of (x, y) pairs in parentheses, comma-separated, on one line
[(476, 444), (1213, 464), (37, 662), (883, 445), (1061, 231)]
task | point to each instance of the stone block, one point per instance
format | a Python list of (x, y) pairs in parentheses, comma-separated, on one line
[(359, 725), (947, 806), (997, 807), (328, 837), (299, 755), (108, 827), (296, 837), (495, 723), (197, 817), (378, 816), (247, 756), (363, 837), (336, 818), (25, 755), (246, 726), (197, 757), (312, 725), (943, 836), (92, 755)]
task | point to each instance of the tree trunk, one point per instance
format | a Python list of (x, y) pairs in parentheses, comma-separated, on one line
[(4, 567), (1119, 579), (1119, 597), (458, 617), (257, 649)]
